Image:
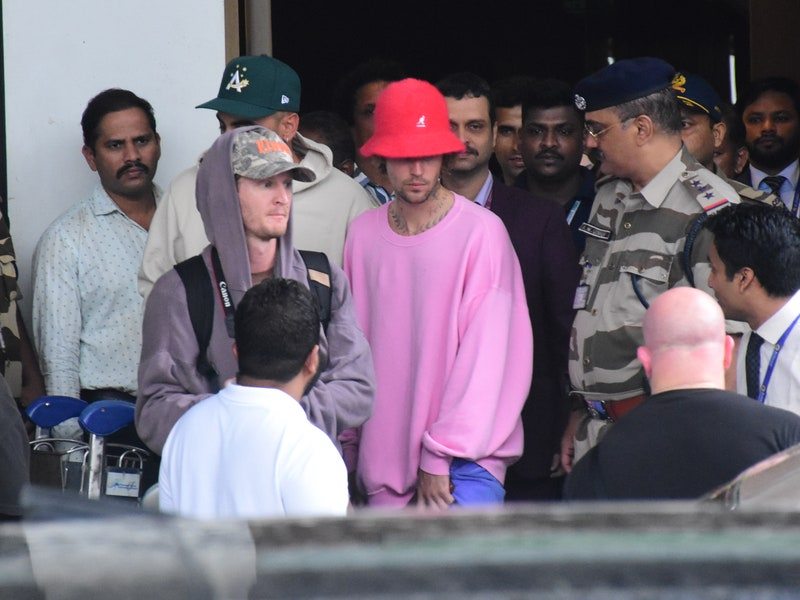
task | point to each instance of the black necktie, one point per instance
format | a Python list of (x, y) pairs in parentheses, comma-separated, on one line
[(774, 183), (752, 364)]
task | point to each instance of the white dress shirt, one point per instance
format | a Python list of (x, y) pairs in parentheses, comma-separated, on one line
[(784, 385)]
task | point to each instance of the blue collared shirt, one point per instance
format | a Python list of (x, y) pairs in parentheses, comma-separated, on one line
[(379, 193), (787, 191)]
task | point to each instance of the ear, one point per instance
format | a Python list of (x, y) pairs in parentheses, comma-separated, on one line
[(347, 166), (494, 134), (747, 278), (742, 158), (312, 362), (645, 129), (88, 154), (718, 130), (644, 356), (158, 147), (287, 128), (235, 351), (727, 358)]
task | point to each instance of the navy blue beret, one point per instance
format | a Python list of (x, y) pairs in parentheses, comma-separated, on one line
[(696, 93), (623, 81)]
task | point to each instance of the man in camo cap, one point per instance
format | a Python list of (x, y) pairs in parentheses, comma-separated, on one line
[(643, 237), (244, 195)]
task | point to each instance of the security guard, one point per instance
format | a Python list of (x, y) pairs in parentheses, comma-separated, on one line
[(703, 130), (645, 208)]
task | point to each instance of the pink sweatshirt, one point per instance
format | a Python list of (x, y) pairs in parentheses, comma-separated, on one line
[(445, 314)]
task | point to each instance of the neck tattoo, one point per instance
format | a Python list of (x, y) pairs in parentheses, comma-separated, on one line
[(438, 208)]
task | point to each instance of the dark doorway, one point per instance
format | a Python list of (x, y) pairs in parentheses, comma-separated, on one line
[(566, 39)]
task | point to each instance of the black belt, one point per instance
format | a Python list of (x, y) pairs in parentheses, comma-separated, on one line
[(106, 394)]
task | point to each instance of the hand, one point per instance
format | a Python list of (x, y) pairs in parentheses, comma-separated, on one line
[(568, 440), (555, 466), (434, 491)]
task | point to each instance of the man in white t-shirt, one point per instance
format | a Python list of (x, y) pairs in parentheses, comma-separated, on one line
[(250, 451)]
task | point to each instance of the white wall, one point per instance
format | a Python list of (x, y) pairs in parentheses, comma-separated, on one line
[(60, 53)]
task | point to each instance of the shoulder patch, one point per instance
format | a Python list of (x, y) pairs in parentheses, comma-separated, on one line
[(710, 191)]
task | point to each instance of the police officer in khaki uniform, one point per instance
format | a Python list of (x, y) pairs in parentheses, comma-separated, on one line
[(642, 237)]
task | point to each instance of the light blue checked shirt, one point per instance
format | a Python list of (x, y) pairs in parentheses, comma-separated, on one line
[(87, 312)]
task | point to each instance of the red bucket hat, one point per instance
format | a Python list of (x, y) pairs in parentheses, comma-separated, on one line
[(411, 120)]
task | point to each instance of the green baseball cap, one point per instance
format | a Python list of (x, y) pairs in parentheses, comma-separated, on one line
[(256, 86)]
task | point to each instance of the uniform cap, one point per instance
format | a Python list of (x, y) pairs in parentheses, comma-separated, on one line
[(696, 93), (623, 81)]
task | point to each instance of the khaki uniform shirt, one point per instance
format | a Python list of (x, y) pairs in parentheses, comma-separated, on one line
[(10, 365), (637, 237)]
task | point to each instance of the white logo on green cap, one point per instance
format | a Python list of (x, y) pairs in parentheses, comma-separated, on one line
[(238, 82)]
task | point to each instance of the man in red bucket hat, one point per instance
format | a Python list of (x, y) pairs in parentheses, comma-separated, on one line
[(439, 295)]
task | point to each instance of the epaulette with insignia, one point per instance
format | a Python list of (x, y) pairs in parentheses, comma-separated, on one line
[(710, 191)]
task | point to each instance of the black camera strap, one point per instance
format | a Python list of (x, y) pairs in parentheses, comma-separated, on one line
[(224, 294)]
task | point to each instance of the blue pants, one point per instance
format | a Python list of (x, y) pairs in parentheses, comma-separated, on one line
[(473, 485)]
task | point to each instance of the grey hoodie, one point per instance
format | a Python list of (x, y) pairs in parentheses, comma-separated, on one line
[(169, 383)]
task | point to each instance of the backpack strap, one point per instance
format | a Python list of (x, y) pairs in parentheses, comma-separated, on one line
[(318, 269), (200, 301)]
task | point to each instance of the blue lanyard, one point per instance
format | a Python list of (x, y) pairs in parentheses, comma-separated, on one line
[(796, 201), (762, 392), (574, 209)]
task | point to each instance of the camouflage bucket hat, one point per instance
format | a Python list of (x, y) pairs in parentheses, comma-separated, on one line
[(259, 153)]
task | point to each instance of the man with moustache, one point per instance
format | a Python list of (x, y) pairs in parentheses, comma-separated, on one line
[(542, 241), (642, 216), (551, 143), (439, 294), (87, 312), (769, 109)]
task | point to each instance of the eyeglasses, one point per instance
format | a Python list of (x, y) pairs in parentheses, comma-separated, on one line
[(588, 129)]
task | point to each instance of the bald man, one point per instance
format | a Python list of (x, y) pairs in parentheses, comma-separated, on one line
[(690, 436)]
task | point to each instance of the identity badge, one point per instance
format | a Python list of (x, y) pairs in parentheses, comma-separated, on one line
[(581, 297)]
